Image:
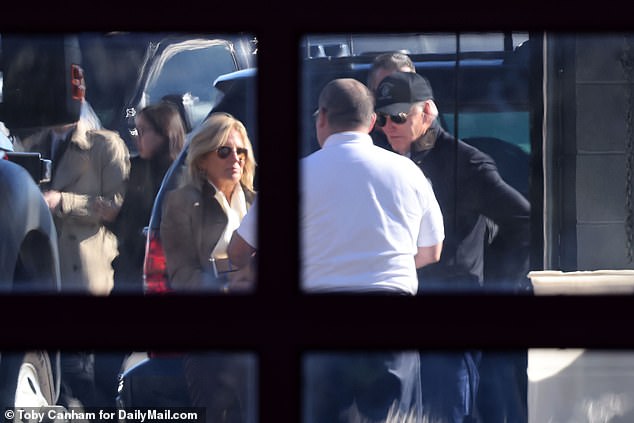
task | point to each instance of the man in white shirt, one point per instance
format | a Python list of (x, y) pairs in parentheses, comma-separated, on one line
[(368, 217), (368, 220)]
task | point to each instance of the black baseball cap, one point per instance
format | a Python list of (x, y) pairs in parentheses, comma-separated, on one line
[(397, 92)]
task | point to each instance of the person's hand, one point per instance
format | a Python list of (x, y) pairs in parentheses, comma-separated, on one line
[(106, 210), (52, 198)]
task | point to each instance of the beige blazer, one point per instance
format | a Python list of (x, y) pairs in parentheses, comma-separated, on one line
[(95, 164), (191, 225)]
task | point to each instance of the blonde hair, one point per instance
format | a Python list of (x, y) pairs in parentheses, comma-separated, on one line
[(213, 134)]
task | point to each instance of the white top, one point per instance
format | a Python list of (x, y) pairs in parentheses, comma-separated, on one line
[(235, 212), (364, 213), (248, 228)]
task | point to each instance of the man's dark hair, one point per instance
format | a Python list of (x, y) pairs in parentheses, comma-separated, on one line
[(347, 104)]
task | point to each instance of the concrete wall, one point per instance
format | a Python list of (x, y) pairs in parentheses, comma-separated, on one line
[(590, 164)]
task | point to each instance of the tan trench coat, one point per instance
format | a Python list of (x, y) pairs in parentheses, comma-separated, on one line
[(95, 164)]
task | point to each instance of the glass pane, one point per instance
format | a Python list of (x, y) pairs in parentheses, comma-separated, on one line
[(125, 386), (580, 385), (414, 386), (147, 94), (479, 97), (535, 385)]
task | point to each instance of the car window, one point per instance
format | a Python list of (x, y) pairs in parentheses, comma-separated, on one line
[(204, 62)]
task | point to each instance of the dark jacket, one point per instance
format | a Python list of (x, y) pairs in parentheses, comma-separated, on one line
[(145, 180), (193, 221), (477, 207)]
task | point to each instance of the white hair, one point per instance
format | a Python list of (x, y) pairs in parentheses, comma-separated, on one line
[(433, 109)]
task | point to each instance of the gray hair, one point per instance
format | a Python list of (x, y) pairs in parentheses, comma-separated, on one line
[(393, 61)]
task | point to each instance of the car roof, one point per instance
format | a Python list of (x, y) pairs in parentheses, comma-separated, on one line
[(224, 82)]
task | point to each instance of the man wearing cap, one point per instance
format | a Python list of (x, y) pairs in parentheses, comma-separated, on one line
[(466, 183), (469, 190), (368, 220), (383, 65)]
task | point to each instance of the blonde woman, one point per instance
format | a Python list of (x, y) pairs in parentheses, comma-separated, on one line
[(200, 216)]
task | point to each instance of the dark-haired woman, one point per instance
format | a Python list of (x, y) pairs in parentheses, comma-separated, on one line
[(160, 137)]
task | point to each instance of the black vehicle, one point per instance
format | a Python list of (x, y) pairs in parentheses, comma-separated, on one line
[(29, 259), (40, 86), (29, 263)]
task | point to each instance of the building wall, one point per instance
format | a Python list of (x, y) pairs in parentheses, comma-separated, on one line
[(602, 102), (590, 166)]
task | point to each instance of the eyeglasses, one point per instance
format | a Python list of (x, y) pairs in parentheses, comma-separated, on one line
[(381, 118), (225, 151)]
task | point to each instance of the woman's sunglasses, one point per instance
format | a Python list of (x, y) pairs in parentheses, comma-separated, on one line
[(381, 119), (225, 151)]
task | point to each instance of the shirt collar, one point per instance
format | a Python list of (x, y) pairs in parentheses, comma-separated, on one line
[(238, 200), (348, 137)]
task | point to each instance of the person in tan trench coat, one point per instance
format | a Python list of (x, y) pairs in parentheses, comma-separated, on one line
[(90, 167)]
